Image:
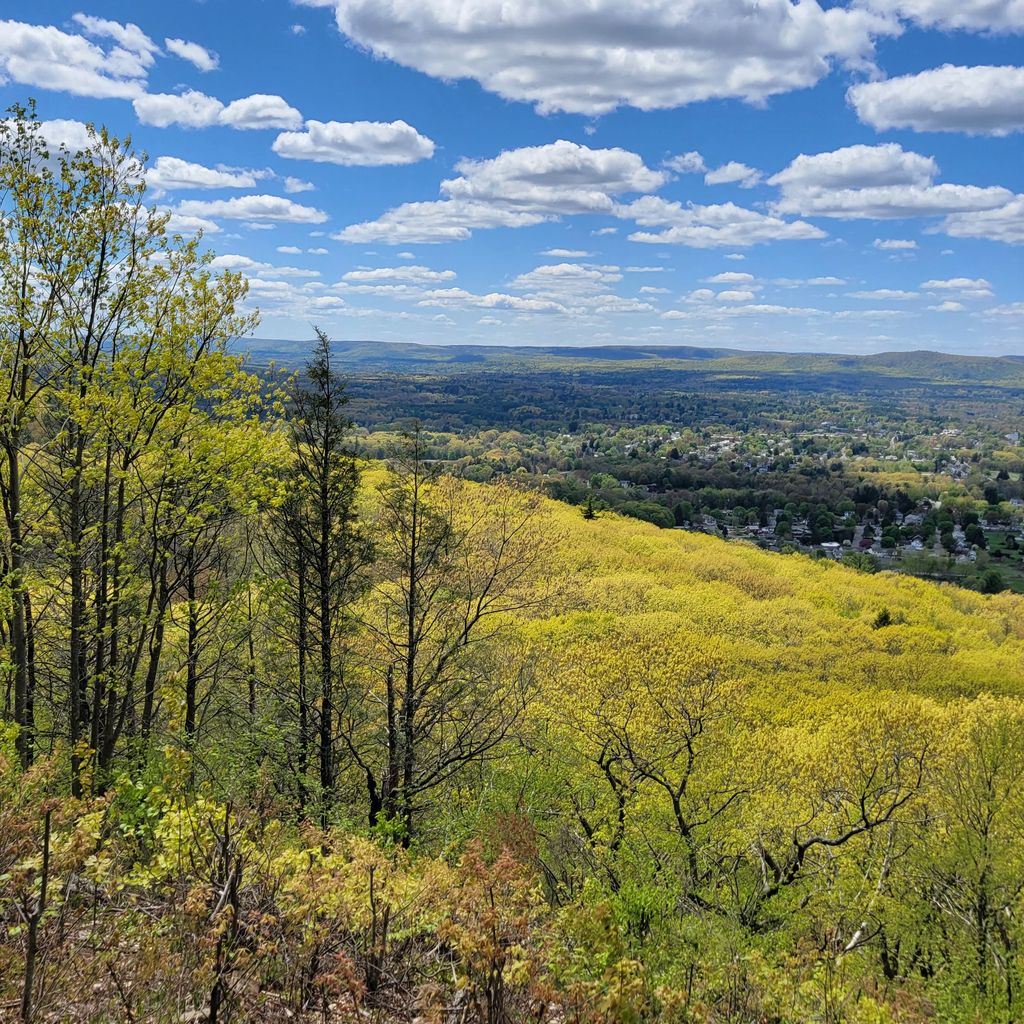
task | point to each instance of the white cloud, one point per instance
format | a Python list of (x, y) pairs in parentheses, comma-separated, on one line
[(130, 38), (256, 208), (1010, 309), (169, 173), (44, 57), (885, 294), (289, 250), (733, 295), (949, 306), (973, 15), (192, 109), (567, 279), (189, 225), (813, 282), (568, 254), (196, 55), (856, 167), (735, 256), (687, 163), (355, 143), (561, 177), (431, 222), (236, 261), (263, 271), (601, 232), (975, 100), (493, 300), (409, 273), (72, 135), (703, 227), (294, 185), (894, 244), (966, 287), (648, 289), (731, 277), (1003, 224), (590, 58), (518, 188), (260, 111), (734, 173), (874, 182)]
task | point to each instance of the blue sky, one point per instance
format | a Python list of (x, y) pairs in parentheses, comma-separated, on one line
[(772, 175)]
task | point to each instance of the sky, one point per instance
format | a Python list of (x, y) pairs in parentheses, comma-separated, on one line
[(758, 174)]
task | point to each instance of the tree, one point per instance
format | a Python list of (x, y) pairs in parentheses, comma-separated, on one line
[(321, 551), (117, 333), (441, 692)]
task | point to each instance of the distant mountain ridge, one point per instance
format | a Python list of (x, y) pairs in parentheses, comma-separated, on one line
[(399, 357)]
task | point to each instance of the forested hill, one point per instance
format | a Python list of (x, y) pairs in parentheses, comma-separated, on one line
[(377, 356), (770, 759)]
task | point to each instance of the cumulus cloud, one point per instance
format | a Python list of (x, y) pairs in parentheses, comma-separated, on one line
[(884, 294), (190, 109), (733, 173), (45, 57), (687, 163), (565, 279), (169, 173), (948, 306), (260, 111), (254, 268), (971, 15), (704, 227), (966, 287), (590, 58), (62, 132), (183, 224), (198, 56), (568, 254), (518, 188), (408, 273), (448, 297), (561, 177), (438, 221), (256, 208), (894, 244), (874, 182), (193, 109), (975, 100), (856, 167), (355, 143), (1002, 224), (293, 185), (731, 277)]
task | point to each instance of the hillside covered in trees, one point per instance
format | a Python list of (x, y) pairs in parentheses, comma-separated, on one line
[(293, 735)]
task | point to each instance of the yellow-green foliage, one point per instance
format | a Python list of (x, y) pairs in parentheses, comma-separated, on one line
[(799, 631)]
